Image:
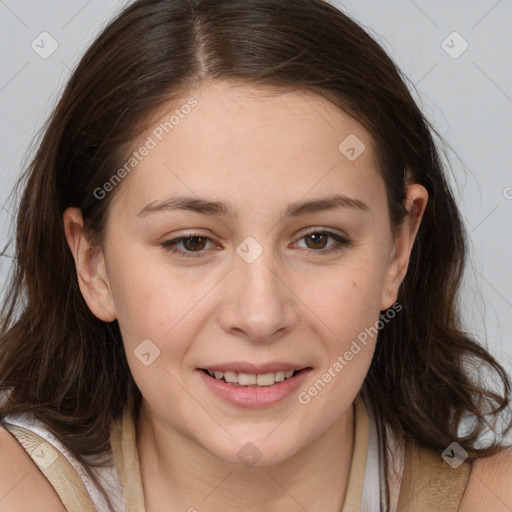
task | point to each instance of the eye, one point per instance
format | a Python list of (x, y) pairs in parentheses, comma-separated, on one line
[(316, 242), (193, 245)]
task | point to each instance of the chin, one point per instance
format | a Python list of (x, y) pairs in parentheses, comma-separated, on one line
[(252, 452)]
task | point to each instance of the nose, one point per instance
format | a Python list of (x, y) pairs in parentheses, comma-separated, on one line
[(258, 303)]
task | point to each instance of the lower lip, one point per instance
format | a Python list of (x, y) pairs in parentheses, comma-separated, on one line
[(255, 396)]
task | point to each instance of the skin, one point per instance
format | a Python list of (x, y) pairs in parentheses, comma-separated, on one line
[(259, 152)]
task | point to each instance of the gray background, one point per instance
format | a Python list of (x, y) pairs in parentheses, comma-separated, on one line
[(467, 96)]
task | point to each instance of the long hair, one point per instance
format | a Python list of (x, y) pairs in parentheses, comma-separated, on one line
[(67, 367)]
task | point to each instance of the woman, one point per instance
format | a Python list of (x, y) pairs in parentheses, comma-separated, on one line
[(240, 257)]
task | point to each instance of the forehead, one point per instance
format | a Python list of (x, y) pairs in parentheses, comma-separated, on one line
[(246, 141)]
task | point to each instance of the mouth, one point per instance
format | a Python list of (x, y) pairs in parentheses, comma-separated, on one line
[(255, 386), (253, 380)]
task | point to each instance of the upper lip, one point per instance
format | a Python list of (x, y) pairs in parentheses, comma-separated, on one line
[(246, 367)]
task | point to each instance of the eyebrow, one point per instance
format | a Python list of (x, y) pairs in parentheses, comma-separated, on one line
[(219, 208)]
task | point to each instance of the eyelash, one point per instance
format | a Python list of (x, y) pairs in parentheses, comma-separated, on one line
[(341, 243)]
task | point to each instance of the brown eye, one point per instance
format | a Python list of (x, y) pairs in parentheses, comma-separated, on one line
[(187, 246), (319, 240), (197, 243)]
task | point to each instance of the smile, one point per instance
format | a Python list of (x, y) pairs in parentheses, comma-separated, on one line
[(251, 379), (253, 389)]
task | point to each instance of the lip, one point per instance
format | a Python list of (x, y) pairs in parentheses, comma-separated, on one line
[(254, 396), (246, 367)]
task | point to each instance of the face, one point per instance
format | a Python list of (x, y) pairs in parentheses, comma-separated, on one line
[(253, 238)]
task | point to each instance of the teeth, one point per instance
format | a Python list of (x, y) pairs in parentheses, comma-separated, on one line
[(251, 379), (246, 379), (279, 376), (265, 379), (230, 377)]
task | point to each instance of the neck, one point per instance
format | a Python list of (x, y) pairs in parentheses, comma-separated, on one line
[(179, 474)]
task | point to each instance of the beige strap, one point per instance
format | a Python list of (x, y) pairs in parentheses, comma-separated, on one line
[(126, 460), (56, 468), (429, 483), (354, 494)]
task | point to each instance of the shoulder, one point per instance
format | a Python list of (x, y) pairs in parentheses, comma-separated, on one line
[(21, 482), (489, 485)]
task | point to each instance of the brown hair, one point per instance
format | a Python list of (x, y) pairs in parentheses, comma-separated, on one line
[(69, 368)]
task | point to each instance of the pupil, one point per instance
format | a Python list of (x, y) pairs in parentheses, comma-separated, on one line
[(194, 246), (317, 235)]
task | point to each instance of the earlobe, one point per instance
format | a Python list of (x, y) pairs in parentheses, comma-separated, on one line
[(415, 204), (90, 267)]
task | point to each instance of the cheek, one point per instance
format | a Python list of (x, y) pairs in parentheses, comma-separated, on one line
[(350, 308), (149, 300), (350, 296), (155, 318)]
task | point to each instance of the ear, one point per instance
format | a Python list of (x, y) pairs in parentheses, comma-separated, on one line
[(90, 267), (415, 204)]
